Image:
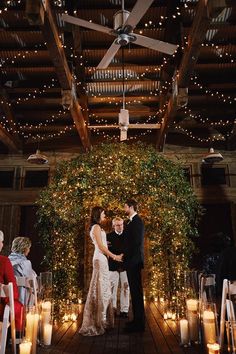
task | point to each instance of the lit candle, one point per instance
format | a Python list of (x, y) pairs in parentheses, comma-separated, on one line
[(169, 314), (193, 320), (213, 348), (46, 311), (47, 334), (66, 318), (29, 326), (35, 333), (209, 327), (80, 301), (25, 347), (165, 316), (73, 317), (155, 299), (184, 331), (173, 316)]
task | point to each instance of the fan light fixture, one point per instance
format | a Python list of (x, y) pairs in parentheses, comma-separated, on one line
[(212, 157), (37, 158)]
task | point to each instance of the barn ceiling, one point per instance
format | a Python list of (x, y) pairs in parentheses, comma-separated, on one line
[(53, 97)]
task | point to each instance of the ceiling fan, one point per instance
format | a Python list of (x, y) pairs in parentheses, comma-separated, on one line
[(124, 24)]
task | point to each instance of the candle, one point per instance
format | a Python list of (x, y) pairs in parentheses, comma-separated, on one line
[(25, 347), (184, 331), (80, 301), (35, 333), (213, 348), (73, 317), (173, 316), (66, 318), (169, 314), (165, 316), (192, 314), (46, 311), (209, 326), (29, 326), (155, 299), (47, 334)]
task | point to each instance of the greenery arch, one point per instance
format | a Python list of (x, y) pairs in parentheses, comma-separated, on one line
[(108, 175)]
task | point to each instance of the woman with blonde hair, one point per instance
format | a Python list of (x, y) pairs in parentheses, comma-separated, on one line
[(22, 266)]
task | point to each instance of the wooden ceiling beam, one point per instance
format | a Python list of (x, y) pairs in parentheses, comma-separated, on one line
[(12, 141), (59, 60), (205, 11)]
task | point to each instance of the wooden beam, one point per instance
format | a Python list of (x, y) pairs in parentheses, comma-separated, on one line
[(9, 141), (12, 141), (205, 11), (58, 57)]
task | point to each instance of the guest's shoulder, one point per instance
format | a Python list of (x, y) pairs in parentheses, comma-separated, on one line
[(4, 260)]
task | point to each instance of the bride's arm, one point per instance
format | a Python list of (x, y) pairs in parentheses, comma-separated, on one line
[(104, 249)]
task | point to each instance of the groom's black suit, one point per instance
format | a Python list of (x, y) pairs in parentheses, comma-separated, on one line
[(134, 262)]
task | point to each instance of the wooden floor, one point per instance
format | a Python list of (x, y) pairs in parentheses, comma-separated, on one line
[(160, 337)]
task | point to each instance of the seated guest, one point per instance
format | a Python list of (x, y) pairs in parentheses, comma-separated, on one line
[(22, 266), (7, 276)]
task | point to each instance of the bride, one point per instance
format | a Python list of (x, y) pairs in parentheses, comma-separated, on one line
[(98, 312)]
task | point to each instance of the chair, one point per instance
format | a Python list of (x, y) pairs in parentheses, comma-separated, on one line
[(9, 313), (228, 290), (30, 286)]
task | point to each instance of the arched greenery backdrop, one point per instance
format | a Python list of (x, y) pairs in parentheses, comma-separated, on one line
[(107, 176)]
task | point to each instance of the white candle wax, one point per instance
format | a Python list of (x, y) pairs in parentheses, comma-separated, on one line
[(209, 327), (192, 306), (184, 331), (29, 326), (46, 311), (25, 347), (35, 333), (165, 316), (47, 334), (213, 348)]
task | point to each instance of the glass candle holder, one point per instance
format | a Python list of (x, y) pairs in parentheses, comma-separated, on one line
[(192, 306), (209, 323), (31, 328), (184, 332), (208, 288), (46, 322), (213, 348), (25, 347), (45, 285)]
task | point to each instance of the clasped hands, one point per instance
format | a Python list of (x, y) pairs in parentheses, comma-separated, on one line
[(119, 257)]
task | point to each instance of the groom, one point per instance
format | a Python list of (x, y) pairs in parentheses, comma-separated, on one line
[(134, 262)]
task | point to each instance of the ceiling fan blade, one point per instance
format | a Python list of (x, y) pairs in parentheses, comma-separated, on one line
[(139, 9), (79, 22), (155, 44), (109, 56)]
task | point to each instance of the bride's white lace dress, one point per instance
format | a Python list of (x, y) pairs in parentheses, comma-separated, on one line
[(98, 312)]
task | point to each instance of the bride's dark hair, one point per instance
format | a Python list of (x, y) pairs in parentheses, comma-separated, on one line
[(96, 215)]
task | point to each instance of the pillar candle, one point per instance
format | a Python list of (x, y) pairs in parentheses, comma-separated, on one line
[(209, 327), (47, 334), (29, 326), (184, 331), (213, 348), (193, 320), (35, 333), (46, 311), (25, 347)]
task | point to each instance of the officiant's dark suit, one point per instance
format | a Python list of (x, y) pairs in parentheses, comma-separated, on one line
[(134, 262)]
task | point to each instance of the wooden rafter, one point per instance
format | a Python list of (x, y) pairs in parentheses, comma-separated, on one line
[(59, 60), (204, 13), (12, 141)]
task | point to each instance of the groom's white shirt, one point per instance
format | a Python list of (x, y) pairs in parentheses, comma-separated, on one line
[(131, 217)]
